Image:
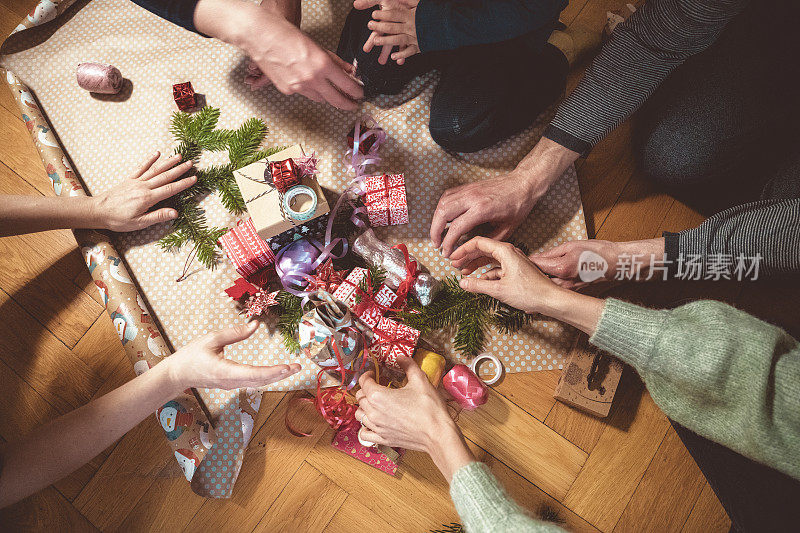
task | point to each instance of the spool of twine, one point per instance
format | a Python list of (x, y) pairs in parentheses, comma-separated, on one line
[(99, 78)]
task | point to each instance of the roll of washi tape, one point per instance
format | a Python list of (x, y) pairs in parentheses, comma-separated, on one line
[(294, 195), (487, 357)]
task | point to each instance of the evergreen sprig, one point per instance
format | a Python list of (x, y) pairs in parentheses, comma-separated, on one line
[(197, 133), (289, 311), (470, 314), (453, 527)]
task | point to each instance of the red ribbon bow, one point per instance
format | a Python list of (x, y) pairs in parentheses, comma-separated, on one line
[(411, 274)]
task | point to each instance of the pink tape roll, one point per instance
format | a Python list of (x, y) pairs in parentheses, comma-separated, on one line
[(99, 78), (467, 389)]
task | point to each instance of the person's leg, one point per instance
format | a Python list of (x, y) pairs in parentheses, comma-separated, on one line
[(488, 93), (756, 497), (378, 79), (717, 128)]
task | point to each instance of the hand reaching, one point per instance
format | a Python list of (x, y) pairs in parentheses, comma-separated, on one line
[(516, 281), (564, 261), (202, 363), (502, 203), (394, 26), (127, 206), (411, 417)]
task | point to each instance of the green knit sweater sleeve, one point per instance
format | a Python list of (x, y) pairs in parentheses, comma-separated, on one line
[(716, 370), (483, 505)]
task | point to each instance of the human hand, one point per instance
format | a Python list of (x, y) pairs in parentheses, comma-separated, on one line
[(294, 63), (394, 26), (575, 264), (414, 417), (126, 207), (202, 363), (502, 203), (516, 281)]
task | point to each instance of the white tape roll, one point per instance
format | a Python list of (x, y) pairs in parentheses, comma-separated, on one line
[(487, 357), (364, 442)]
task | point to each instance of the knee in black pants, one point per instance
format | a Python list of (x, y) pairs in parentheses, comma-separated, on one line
[(485, 95)]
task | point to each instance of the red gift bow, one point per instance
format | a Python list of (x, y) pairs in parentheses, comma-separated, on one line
[(326, 278), (411, 274), (284, 174), (467, 389)]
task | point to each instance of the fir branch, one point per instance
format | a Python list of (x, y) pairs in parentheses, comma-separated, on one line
[(550, 514), (245, 140), (202, 124), (179, 126), (215, 141), (290, 312), (377, 275)]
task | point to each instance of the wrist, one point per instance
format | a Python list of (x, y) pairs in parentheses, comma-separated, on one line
[(91, 212), (447, 449), (543, 166), (174, 375), (645, 254)]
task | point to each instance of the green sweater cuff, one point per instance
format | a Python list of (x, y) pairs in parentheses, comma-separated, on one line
[(479, 499), (629, 331)]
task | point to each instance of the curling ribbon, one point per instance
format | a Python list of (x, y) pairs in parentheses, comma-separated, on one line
[(411, 273), (467, 389)]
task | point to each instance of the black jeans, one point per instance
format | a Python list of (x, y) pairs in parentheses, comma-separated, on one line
[(722, 129), (756, 497), (486, 93)]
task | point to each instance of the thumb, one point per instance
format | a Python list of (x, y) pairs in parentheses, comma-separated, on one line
[(550, 265), (480, 285), (411, 369), (365, 4), (241, 375), (155, 217), (224, 337)]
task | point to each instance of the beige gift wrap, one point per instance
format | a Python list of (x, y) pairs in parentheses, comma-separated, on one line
[(264, 201), (107, 138)]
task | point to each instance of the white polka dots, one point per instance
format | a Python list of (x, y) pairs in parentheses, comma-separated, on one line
[(108, 139)]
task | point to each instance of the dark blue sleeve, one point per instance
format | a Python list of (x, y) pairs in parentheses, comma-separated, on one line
[(450, 24), (180, 12)]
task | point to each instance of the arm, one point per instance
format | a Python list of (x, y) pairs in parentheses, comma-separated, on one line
[(714, 369), (448, 24), (126, 207), (769, 229), (82, 434), (415, 417), (642, 52)]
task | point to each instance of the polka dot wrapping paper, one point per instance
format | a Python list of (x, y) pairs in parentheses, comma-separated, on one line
[(108, 137)]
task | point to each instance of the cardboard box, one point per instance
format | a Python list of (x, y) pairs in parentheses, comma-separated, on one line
[(264, 201)]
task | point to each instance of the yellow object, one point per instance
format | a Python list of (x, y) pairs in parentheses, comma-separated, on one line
[(432, 364)]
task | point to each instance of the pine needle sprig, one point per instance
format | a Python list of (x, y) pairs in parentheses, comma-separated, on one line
[(453, 527), (290, 312), (196, 133), (470, 314)]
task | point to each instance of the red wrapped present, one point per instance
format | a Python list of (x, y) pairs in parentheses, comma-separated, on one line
[(382, 458), (373, 305), (248, 252), (184, 96), (284, 174), (393, 339), (385, 200), (348, 291)]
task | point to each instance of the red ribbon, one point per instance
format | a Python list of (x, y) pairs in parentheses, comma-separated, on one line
[(467, 389), (411, 273)]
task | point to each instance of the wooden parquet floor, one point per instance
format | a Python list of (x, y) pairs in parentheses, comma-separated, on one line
[(58, 350)]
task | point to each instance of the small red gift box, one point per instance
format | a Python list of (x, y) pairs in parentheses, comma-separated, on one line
[(346, 440), (248, 252), (284, 174), (184, 96), (385, 200), (394, 340), (372, 306), (347, 291)]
